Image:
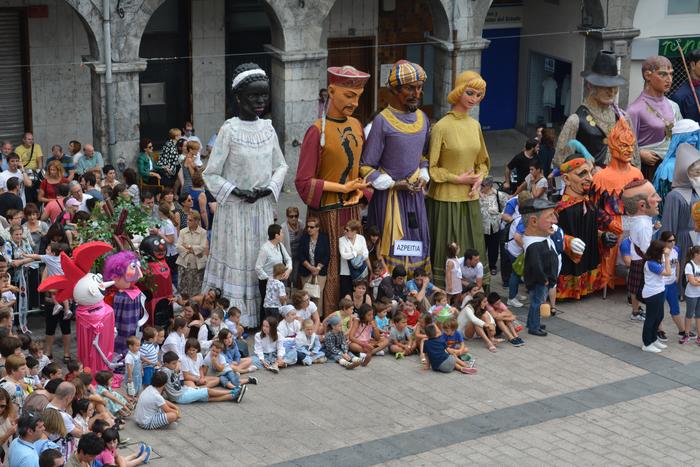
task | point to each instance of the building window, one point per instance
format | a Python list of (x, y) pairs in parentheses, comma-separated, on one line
[(683, 7)]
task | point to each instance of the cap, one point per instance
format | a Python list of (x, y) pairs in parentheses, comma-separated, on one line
[(72, 202), (536, 205), (333, 320), (347, 77), (685, 125), (284, 309)]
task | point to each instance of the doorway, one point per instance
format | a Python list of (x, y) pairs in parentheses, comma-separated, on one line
[(166, 84), (14, 80), (358, 52)]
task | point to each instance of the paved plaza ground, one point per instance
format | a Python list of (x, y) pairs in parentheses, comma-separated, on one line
[(584, 395)]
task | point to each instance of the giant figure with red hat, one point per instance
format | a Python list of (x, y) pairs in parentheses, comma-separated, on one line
[(94, 318), (328, 176)]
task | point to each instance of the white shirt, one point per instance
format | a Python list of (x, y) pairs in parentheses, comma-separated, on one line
[(471, 274), (653, 282), (176, 343), (6, 175), (305, 342), (149, 403), (167, 228), (198, 156), (287, 329), (67, 419), (674, 267), (692, 291), (220, 360), (269, 255), (641, 231), (83, 203), (512, 246), (349, 250), (187, 365), (305, 313), (265, 345)]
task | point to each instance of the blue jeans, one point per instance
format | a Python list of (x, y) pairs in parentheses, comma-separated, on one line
[(513, 281), (309, 356), (538, 295), (190, 395), (229, 377), (270, 358)]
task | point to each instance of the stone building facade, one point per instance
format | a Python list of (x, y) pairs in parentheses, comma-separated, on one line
[(295, 40)]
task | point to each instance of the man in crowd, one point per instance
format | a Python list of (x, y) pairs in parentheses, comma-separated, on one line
[(519, 166), (30, 153), (66, 161), (15, 170), (76, 192), (684, 95), (5, 151), (91, 161), (89, 447)]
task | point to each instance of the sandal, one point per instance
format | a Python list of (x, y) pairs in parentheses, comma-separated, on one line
[(493, 349), (468, 371)]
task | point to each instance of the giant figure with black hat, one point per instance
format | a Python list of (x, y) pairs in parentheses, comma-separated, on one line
[(542, 257), (596, 116), (328, 175)]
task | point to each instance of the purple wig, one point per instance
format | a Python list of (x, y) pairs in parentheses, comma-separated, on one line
[(117, 264)]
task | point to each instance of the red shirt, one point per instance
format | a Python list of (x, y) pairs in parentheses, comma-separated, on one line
[(412, 318), (50, 188)]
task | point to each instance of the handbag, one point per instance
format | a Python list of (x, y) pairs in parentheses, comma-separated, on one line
[(358, 268), (519, 264), (313, 288)]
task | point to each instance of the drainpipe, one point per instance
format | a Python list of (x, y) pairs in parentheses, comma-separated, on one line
[(109, 90)]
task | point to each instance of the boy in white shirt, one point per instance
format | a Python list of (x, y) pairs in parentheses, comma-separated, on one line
[(308, 345)]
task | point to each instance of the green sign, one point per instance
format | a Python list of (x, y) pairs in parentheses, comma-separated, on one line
[(669, 47)]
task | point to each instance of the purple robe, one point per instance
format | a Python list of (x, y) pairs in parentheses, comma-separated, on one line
[(649, 127), (127, 313), (399, 154)]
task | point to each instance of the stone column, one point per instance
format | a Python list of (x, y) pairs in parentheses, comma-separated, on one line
[(127, 110), (296, 79)]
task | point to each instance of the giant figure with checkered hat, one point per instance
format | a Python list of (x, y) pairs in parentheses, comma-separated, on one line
[(394, 163)]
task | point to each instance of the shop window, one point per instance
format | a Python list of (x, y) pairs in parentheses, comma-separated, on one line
[(683, 7), (549, 90)]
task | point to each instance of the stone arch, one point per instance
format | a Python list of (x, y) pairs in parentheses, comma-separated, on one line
[(277, 31), (91, 19), (593, 14)]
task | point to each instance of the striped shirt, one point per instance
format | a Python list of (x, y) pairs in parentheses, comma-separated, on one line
[(149, 351)]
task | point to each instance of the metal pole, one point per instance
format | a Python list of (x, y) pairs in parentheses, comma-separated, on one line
[(109, 90)]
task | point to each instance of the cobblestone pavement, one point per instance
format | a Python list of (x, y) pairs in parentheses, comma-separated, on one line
[(584, 395)]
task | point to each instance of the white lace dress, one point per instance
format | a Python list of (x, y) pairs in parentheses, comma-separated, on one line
[(246, 155)]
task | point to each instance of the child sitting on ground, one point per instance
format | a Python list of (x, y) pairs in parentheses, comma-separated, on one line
[(345, 314), (410, 311), (269, 350), (454, 340), (420, 336), (110, 455), (287, 331), (215, 361), (438, 356), (117, 405), (505, 319), (194, 372), (233, 323), (308, 345), (36, 350), (379, 272), (365, 337), (152, 410), (381, 309), (336, 345), (176, 392), (275, 292), (401, 341), (474, 319), (74, 368), (233, 356)]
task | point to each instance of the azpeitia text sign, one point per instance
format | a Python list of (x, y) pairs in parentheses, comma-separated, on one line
[(408, 248)]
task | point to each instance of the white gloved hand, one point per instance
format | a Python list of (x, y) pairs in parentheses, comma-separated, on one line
[(578, 246)]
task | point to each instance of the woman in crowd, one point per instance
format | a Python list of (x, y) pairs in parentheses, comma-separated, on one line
[(146, 164), (169, 159), (54, 177), (186, 204), (110, 176), (354, 256), (314, 256), (192, 248), (132, 185)]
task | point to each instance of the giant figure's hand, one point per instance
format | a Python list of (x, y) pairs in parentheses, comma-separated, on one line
[(609, 239), (261, 192), (247, 195), (356, 184), (578, 246), (354, 199)]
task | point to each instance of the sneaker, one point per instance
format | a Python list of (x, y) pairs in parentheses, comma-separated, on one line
[(274, 368), (354, 364), (67, 315), (651, 348), (690, 334), (356, 359), (321, 360), (238, 393), (252, 368), (636, 317), (514, 302), (366, 359), (659, 344), (380, 353), (307, 361), (493, 272), (697, 341), (149, 450), (515, 342), (471, 364), (684, 339), (662, 336), (57, 308), (252, 380), (523, 298)]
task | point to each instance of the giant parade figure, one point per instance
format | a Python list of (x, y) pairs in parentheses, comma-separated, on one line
[(393, 163), (580, 275), (458, 162), (595, 118), (607, 190), (652, 114), (245, 167), (328, 176)]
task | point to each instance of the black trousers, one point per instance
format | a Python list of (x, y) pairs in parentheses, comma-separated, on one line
[(262, 287), (655, 314), (492, 246)]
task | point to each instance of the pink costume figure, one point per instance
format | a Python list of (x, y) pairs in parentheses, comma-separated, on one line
[(94, 318), (124, 269)]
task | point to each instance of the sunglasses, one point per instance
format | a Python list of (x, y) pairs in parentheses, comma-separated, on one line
[(311, 226), (293, 216)]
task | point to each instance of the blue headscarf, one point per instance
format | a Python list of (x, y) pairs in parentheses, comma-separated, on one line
[(663, 178)]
